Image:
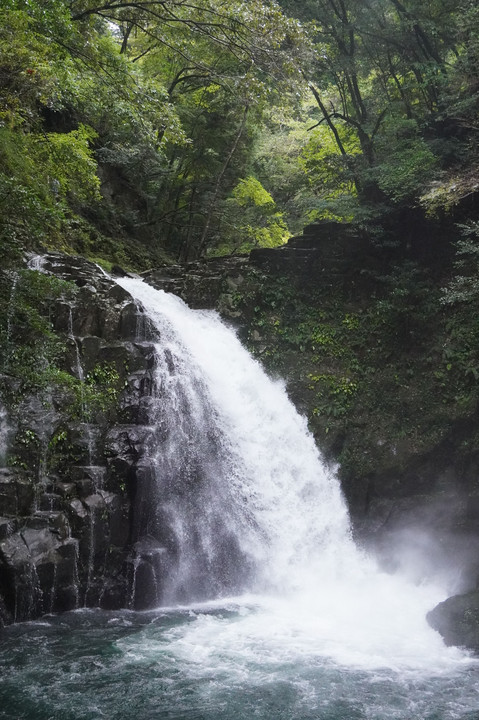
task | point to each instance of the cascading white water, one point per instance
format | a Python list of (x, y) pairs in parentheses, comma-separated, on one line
[(244, 490)]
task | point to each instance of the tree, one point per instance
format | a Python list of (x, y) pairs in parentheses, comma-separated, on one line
[(380, 73), (162, 87)]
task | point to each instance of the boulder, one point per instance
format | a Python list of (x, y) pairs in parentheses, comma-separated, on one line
[(457, 620)]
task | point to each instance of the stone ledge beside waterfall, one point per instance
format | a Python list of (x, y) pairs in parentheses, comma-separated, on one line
[(67, 498), (457, 620)]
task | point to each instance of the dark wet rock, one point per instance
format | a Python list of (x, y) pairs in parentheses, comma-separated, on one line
[(5, 616), (88, 478), (36, 562), (132, 322), (118, 294), (50, 501), (7, 527), (137, 404), (118, 271), (203, 283), (85, 443), (65, 511), (65, 489), (125, 446), (457, 620), (16, 493), (149, 565)]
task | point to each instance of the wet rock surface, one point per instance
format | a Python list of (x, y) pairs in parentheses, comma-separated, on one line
[(67, 504), (457, 620), (207, 284)]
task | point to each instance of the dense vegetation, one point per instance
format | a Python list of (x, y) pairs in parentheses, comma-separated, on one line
[(136, 133), (386, 369)]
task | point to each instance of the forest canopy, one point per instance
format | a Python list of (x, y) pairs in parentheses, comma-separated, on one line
[(141, 132)]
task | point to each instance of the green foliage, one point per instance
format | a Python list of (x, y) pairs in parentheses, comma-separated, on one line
[(405, 161), (25, 70), (132, 89), (136, 132), (61, 453), (251, 220), (334, 395), (405, 306), (69, 164), (30, 346), (327, 170), (101, 390), (249, 191), (464, 287), (393, 84), (383, 372), (33, 365)]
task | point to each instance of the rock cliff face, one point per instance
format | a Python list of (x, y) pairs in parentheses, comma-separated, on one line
[(73, 503), (73, 487)]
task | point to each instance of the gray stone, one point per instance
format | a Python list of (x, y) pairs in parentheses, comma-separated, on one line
[(457, 620), (50, 501), (16, 494), (65, 490), (7, 527), (78, 510)]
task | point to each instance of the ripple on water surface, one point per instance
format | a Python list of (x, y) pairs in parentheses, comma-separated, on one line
[(211, 663)]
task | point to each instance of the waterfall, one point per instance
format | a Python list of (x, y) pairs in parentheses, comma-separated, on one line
[(242, 502), (241, 535), (240, 484)]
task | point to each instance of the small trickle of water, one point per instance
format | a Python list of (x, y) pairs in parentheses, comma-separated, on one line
[(53, 590), (80, 374), (78, 363), (135, 565), (4, 434), (37, 262), (91, 552)]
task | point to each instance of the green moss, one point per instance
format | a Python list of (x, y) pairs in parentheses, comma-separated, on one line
[(31, 347), (382, 375)]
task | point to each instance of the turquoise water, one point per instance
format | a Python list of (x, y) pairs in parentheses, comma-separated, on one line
[(160, 665)]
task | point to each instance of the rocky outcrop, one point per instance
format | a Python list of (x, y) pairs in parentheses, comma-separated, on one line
[(325, 254), (69, 493), (208, 284), (457, 620)]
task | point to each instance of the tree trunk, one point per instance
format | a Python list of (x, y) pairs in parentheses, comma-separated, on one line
[(212, 207)]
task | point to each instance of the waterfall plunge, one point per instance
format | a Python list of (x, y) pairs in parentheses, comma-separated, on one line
[(244, 503)]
